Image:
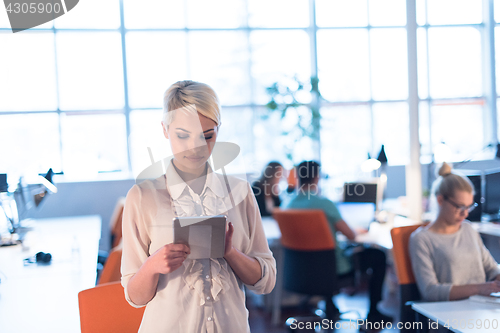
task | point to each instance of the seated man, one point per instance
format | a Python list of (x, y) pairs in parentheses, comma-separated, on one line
[(308, 197)]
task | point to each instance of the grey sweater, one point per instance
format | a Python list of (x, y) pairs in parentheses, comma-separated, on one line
[(442, 260)]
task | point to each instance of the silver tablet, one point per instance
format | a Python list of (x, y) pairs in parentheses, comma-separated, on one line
[(205, 235)]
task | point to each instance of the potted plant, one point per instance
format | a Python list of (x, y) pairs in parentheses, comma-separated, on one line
[(298, 104)]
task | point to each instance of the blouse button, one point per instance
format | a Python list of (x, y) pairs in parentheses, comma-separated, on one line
[(207, 277), (209, 318), (208, 298)]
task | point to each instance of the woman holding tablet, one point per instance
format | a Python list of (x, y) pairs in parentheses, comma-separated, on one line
[(183, 294), (448, 257)]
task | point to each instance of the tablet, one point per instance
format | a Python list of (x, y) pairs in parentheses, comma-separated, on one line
[(205, 235)]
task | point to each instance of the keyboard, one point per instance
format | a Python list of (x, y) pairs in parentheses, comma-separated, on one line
[(485, 299)]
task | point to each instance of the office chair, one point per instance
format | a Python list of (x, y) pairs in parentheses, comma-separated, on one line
[(115, 227), (292, 180), (309, 255), (104, 309), (407, 286), (111, 270)]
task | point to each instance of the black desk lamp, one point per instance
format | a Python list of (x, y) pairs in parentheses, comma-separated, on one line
[(382, 157), (45, 187)]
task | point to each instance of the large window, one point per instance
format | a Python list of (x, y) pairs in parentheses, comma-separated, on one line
[(362, 70), (83, 94), (451, 60)]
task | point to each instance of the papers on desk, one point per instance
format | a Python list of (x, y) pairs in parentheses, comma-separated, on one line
[(485, 299)]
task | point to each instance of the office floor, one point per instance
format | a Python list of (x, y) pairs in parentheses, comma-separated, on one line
[(260, 320)]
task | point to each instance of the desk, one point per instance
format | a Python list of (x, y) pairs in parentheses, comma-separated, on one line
[(44, 298), (487, 228), (458, 314)]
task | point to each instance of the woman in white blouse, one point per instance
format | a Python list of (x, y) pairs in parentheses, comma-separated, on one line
[(182, 294)]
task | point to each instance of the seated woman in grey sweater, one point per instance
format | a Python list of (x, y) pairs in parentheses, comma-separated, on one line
[(448, 257)]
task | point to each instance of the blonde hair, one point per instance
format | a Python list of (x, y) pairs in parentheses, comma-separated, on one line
[(449, 182), (191, 96)]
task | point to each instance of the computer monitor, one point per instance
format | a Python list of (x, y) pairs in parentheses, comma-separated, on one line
[(357, 214), (4, 186), (23, 200), (491, 203), (30, 196), (360, 192), (475, 215)]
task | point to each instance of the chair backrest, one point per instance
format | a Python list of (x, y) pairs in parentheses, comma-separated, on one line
[(104, 309), (292, 179), (309, 265), (115, 224), (111, 270), (304, 229), (401, 253), (408, 290)]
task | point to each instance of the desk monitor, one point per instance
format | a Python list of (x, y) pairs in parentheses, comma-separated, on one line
[(4, 186), (357, 214), (475, 215), (29, 196), (360, 192), (491, 203), (24, 201)]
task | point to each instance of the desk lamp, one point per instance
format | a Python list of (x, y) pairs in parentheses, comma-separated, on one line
[(45, 187), (371, 164), (382, 157)]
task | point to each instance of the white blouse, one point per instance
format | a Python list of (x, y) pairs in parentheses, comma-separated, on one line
[(203, 295)]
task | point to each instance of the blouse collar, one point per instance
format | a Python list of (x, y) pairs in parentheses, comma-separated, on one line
[(177, 186)]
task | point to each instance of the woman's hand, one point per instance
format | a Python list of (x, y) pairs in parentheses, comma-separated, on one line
[(168, 258), (489, 287), (229, 239), (142, 286), (246, 268)]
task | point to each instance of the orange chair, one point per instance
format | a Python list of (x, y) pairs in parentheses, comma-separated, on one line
[(309, 255), (104, 309), (111, 270), (407, 286), (116, 223), (115, 227)]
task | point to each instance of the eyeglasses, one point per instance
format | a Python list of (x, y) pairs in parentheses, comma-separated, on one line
[(462, 208)]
